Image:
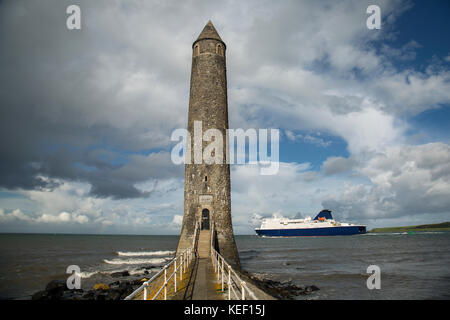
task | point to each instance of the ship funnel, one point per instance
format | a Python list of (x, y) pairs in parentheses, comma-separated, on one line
[(324, 214)]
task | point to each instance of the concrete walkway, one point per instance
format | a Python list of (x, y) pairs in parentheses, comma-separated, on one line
[(202, 284)]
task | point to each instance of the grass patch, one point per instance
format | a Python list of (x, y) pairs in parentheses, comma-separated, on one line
[(444, 226)]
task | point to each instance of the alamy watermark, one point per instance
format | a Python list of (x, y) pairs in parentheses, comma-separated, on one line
[(214, 152), (74, 280), (374, 20), (374, 281), (73, 21)]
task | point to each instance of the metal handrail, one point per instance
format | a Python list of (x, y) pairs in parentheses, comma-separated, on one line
[(186, 258), (233, 280)]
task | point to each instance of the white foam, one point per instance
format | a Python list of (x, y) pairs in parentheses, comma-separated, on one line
[(145, 253), (85, 275), (140, 271), (136, 261)]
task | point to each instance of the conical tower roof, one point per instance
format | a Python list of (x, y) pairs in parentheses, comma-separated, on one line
[(209, 32)]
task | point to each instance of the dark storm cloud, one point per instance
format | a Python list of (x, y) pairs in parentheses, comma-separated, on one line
[(67, 97)]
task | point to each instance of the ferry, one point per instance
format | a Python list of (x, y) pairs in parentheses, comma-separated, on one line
[(322, 225)]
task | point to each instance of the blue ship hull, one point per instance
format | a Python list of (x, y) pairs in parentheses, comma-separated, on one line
[(312, 232)]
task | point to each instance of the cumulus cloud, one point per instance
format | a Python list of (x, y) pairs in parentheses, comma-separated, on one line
[(316, 140), (254, 196), (63, 217), (334, 165), (404, 181), (87, 115), (16, 214), (412, 92), (88, 102), (74, 108), (70, 207), (177, 220)]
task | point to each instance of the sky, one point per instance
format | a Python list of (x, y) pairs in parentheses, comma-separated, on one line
[(86, 115)]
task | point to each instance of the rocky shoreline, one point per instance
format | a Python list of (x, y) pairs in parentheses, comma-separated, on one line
[(285, 290), (116, 290), (119, 289)]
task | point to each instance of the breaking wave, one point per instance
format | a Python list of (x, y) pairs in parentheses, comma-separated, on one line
[(85, 275), (145, 253), (134, 272), (136, 261)]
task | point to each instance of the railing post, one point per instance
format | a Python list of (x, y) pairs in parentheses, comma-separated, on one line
[(222, 275), (175, 274), (182, 266), (145, 290), (165, 284), (182, 263), (218, 268), (243, 291), (215, 260), (229, 283)]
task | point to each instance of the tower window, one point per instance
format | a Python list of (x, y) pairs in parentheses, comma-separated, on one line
[(206, 178), (196, 50), (219, 49)]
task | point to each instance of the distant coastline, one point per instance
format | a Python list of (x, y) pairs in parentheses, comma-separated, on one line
[(444, 226)]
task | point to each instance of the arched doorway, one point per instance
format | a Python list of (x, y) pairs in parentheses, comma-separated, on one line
[(205, 219)]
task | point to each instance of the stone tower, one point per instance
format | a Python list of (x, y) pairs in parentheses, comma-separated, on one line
[(207, 186)]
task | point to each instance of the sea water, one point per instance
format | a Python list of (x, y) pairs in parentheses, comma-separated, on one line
[(412, 266)]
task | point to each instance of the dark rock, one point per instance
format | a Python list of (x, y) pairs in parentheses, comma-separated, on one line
[(40, 295), (126, 286), (115, 284), (72, 295), (285, 290), (117, 290), (90, 295), (55, 289), (100, 296), (311, 289), (113, 295), (56, 285), (124, 273)]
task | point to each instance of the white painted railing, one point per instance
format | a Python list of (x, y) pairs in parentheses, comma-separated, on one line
[(180, 264), (226, 274)]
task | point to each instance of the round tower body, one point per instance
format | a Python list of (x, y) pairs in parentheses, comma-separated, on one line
[(207, 186)]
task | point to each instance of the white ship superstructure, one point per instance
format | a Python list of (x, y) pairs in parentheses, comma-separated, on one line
[(322, 225)]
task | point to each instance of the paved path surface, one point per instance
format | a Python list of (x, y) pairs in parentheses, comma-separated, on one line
[(202, 283)]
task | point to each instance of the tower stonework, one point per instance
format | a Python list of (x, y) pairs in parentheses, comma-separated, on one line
[(207, 186)]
